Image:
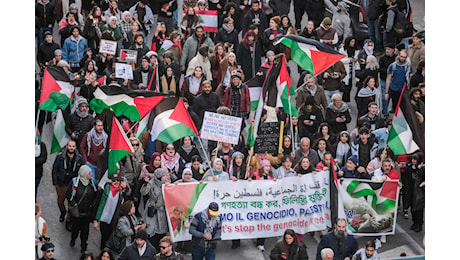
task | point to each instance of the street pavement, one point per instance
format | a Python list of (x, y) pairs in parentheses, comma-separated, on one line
[(404, 240)]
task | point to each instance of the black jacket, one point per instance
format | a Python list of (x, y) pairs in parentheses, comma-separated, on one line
[(87, 207), (374, 9), (45, 14), (384, 62), (205, 102), (223, 36), (40, 160), (65, 169), (137, 78), (79, 125), (251, 18), (315, 11), (46, 52), (131, 253)]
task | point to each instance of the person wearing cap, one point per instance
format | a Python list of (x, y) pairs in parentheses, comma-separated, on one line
[(327, 34), (140, 249), (143, 76), (154, 213), (236, 97), (65, 167), (82, 193), (47, 251), (350, 171), (206, 229), (74, 48), (109, 200), (46, 49), (341, 21), (384, 62), (74, 8)]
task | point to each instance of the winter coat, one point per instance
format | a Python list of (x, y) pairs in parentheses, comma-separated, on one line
[(156, 223), (303, 93), (203, 62), (206, 102), (298, 252), (373, 147), (330, 83), (141, 51), (73, 50), (314, 115), (244, 58), (231, 37), (312, 156), (384, 62), (125, 228), (245, 101), (191, 46), (330, 241), (197, 228), (45, 13), (315, 11), (137, 78), (416, 54), (88, 206), (46, 52), (332, 112), (132, 253), (280, 7), (251, 18), (79, 125), (340, 21), (374, 9), (417, 173), (132, 166), (185, 89), (64, 169)]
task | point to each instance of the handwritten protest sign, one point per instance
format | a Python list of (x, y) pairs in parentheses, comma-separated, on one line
[(109, 47), (256, 209), (221, 128), (128, 55), (123, 70), (268, 138)]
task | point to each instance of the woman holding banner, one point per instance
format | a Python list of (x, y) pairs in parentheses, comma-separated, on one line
[(217, 172)]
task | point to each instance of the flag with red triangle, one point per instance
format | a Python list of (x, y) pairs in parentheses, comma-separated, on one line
[(56, 90), (101, 80), (119, 146), (285, 90)]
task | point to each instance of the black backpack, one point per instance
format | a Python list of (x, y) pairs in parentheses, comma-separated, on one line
[(401, 25)]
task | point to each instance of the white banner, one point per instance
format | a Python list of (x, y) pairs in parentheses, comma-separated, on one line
[(221, 128), (252, 209)]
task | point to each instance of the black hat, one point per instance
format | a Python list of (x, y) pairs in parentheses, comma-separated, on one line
[(115, 177), (142, 234), (390, 45), (310, 101), (46, 34), (400, 46), (47, 246)]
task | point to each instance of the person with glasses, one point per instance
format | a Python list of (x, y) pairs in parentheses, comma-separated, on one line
[(398, 74), (132, 164), (48, 251), (326, 33), (173, 162), (166, 250)]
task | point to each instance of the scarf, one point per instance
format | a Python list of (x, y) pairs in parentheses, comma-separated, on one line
[(340, 109), (367, 49), (81, 114), (114, 190), (312, 91), (228, 30), (367, 92), (210, 223), (82, 173), (214, 172), (170, 162), (92, 136), (187, 148)]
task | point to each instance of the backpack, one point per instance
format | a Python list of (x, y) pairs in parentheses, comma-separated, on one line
[(401, 25)]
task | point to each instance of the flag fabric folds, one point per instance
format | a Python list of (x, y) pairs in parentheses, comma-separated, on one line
[(134, 104), (56, 91), (119, 146), (208, 19), (311, 55), (170, 121), (60, 136), (285, 90), (406, 135)]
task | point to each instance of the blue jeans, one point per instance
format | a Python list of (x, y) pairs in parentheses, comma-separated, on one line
[(199, 252), (374, 33), (384, 102), (329, 94)]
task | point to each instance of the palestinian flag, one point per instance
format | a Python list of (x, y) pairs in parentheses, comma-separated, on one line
[(143, 126), (406, 135), (167, 44), (255, 87), (208, 19), (60, 136), (102, 80), (119, 146), (171, 121), (134, 104), (251, 140), (311, 55), (285, 90), (56, 91)]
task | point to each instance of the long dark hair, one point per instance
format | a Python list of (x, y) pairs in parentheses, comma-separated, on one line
[(292, 247)]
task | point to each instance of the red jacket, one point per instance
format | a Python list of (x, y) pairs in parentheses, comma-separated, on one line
[(245, 99)]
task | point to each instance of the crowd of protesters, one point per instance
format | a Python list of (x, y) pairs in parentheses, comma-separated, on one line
[(209, 71)]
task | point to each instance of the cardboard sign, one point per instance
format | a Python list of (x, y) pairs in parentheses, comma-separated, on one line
[(123, 70), (128, 55), (221, 128), (268, 138), (109, 47)]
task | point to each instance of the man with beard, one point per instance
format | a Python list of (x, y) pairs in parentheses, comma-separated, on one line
[(65, 167), (236, 97), (140, 47), (343, 245), (255, 16), (92, 145), (398, 74), (201, 60), (80, 122), (369, 252), (192, 44), (419, 106), (142, 76)]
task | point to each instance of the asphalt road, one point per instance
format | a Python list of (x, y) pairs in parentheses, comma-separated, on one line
[(404, 240)]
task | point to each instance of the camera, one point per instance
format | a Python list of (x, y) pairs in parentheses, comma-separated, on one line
[(44, 239), (140, 222)]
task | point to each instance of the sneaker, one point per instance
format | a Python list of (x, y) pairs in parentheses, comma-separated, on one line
[(261, 248), (406, 214), (378, 244), (383, 239)]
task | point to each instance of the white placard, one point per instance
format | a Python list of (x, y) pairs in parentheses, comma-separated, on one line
[(221, 128), (109, 47), (123, 70)]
